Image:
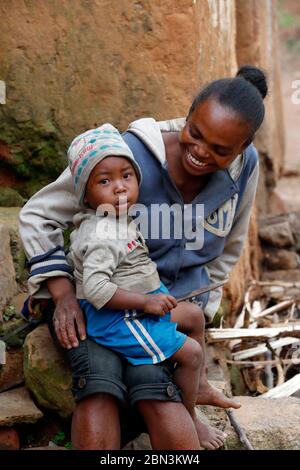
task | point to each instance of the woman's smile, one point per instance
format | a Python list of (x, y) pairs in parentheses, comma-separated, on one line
[(196, 161)]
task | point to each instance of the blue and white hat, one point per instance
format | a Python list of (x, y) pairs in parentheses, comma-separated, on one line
[(90, 148)]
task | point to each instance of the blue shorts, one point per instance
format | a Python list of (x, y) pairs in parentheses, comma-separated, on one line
[(146, 339)]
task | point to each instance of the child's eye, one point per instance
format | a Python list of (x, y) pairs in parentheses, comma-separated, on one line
[(127, 175), (104, 181)]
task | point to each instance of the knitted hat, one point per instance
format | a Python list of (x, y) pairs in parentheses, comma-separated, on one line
[(90, 148)]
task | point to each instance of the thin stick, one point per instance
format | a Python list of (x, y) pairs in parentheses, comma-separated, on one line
[(263, 363), (278, 283), (215, 334), (239, 430), (276, 308)]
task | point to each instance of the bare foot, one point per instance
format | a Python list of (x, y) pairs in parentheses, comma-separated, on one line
[(209, 395), (209, 438)]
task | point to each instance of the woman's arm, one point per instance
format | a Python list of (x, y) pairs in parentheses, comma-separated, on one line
[(42, 223), (220, 267), (67, 315)]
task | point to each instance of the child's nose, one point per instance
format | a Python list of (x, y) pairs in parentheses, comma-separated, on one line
[(119, 188)]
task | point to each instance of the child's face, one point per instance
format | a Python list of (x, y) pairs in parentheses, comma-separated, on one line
[(112, 182)]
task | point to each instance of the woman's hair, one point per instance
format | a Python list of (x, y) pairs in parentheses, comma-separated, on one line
[(243, 94)]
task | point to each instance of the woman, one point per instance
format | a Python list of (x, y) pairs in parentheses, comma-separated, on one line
[(206, 159)]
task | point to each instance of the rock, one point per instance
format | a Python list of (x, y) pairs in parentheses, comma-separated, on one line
[(10, 330), (18, 301), (11, 373), (237, 381), (142, 442), (289, 275), (9, 439), (276, 204), (9, 197), (36, 127), (8, 287), (278, 234), (9, 216), (47, 375), (270, 424), (294, 219), (49, 447), (17, 407), (281, 259)]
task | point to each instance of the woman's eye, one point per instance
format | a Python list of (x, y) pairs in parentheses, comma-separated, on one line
[(222, 153), (195, 134)]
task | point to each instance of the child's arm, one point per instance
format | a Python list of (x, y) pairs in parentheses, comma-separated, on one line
[(100, 260), (156, 304)]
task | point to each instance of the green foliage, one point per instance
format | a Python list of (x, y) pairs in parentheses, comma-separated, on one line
[(287, 20), (58, 438), (9, 312), (37, 155), (30, 439)]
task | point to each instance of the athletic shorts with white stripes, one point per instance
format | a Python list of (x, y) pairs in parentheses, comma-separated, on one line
[(139, 338)]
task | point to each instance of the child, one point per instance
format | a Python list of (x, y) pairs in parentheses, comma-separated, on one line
[(126, 306)]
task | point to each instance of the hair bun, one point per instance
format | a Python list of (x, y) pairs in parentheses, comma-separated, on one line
[(255, 76)]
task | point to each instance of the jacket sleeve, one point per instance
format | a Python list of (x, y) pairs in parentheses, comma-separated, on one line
[(42, 222), (100, 260), (219, 268)]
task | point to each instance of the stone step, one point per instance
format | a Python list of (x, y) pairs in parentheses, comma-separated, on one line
[(17, 407), (11, 373), (269, 423)]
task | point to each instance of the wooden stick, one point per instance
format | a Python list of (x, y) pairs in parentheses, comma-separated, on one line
[(278, 283), (284, 390), (280, 375), (239, 430), (276, 308), (263, 363), (217, 334), (263, 348)]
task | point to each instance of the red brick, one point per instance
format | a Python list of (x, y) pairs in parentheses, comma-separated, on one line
[(9, 439)]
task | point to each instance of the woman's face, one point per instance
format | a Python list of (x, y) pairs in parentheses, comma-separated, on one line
[(212, 138)]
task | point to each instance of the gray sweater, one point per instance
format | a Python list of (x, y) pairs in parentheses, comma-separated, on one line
[(106, 254)]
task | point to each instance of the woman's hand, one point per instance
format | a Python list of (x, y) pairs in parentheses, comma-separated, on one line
[(159, 304), (68, 319)]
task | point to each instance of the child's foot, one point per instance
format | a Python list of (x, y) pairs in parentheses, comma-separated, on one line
[(209, 395), (210, 438)]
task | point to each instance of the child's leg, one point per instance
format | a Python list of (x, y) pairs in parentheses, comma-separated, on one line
[(186, 376), (187, 372), (190, 320)]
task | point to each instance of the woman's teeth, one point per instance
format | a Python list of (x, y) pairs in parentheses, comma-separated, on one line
[(195, 161)]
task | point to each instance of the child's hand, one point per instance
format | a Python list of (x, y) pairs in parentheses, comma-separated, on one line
[(159, 304)]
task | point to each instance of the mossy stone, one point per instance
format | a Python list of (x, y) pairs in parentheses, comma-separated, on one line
[(9, 197)]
